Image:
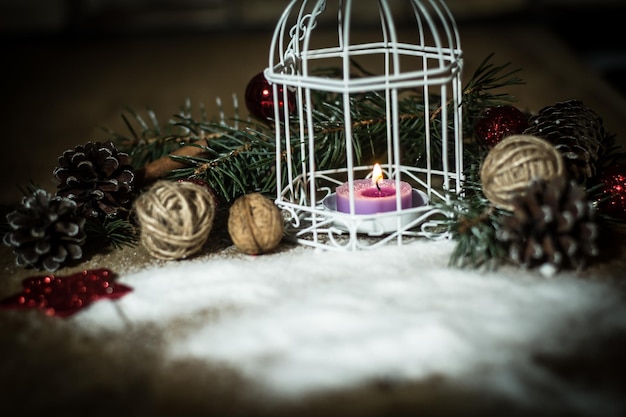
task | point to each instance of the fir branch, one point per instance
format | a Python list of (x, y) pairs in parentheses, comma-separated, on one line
[(148, 142), (473, 223), (233, 161), (109, 232), (485, 88), (241, 155), (481, 90)]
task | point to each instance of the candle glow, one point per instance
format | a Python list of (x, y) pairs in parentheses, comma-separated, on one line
[(377, 195), (377, 175)]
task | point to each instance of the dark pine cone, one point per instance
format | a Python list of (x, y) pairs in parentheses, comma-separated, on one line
[(45, 231), (576, 131), (551, 226), (98, 177)]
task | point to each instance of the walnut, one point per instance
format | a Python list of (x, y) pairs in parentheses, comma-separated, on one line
[(255, 224)]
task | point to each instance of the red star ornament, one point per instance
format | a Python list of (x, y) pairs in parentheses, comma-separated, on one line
[(63, 296)]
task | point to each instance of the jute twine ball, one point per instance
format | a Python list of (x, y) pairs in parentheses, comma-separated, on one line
[(175, 218), (255, 224), (513, 162)]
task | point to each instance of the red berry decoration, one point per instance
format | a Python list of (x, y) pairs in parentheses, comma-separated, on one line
[(496, 123), (612, 201), (260, 98)]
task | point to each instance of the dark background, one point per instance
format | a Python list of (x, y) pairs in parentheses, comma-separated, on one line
[(594, 28)]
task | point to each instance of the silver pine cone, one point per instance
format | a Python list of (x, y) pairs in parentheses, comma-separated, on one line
[(551, 227), (45, 232)]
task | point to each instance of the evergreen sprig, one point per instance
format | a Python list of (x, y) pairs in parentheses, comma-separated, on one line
[(234, 161), (147, 141), (487, 88), (473, 223), (240, 154), (111, 232)]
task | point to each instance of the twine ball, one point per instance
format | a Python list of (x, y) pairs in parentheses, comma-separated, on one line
[(512, 163), (255, 224), (175, 218)]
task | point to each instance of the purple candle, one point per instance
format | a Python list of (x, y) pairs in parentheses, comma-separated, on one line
[(374, 195)]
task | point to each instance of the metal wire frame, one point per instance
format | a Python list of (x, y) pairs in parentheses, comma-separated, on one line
[(435, 70)]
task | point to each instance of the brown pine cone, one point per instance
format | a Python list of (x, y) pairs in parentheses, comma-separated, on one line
[(45, 231), (551, 227), (576, 131), (98, 177)]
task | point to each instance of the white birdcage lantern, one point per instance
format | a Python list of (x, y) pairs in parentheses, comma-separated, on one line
[(343, 206)]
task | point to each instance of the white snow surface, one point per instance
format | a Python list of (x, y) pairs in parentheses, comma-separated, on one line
[(309, 320)]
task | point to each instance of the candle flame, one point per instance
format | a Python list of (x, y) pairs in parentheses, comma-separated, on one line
[(377, 174)]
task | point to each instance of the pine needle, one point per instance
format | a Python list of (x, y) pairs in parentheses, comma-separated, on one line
[(116, 233)]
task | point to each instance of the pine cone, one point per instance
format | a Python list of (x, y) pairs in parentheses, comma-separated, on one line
[(576, 131), (98, 177), (551, 226), (45, 231)]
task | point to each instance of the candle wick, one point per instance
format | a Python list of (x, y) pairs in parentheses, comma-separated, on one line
[(377, 186)]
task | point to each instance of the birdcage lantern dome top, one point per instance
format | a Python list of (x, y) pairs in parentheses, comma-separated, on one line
[(412, 42)]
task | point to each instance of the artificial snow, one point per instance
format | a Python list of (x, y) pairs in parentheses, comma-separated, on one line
[(306, 320)]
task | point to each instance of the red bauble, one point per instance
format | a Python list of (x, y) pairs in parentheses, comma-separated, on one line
[(613, 199), (260, 98), (496, 123)]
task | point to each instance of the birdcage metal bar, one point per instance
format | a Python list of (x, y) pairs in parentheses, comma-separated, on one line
[(310, 207)]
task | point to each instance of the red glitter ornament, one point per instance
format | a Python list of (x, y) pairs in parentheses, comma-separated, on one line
[(260, 98), (64, 295), (612, 201), (496, 123)]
